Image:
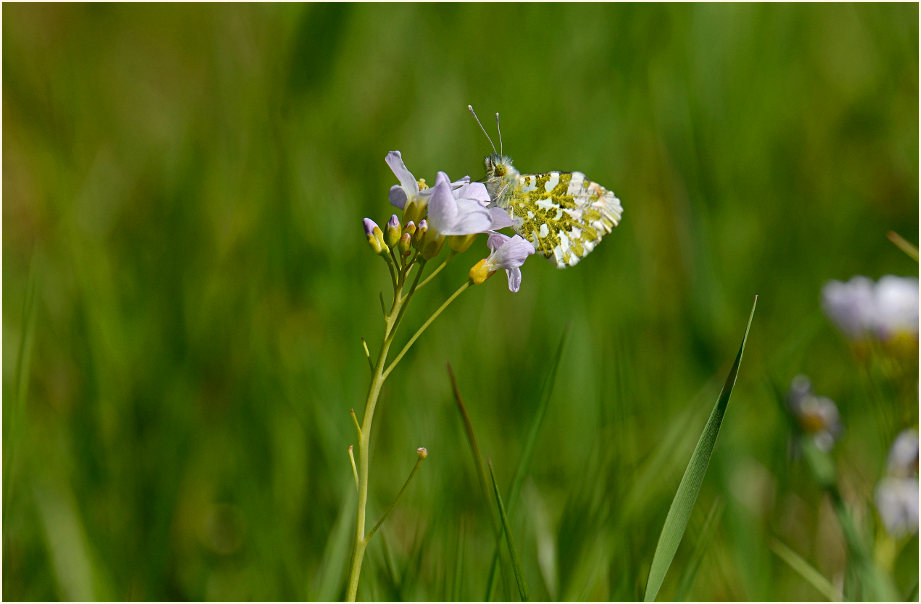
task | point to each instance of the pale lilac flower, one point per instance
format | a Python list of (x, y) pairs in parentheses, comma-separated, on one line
[(462, 210), (897, 492), (408, 188), (897, 503), (896, 306), (817, 416), (861, 308), (508, 253), (903, 456)]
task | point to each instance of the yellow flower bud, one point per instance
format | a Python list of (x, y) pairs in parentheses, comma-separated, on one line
[(393, 230), (375, 244), (480, 272), (405, 244)]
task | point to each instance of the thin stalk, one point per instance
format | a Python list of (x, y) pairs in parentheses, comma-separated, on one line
[(450, 255), (425, 326), (364, 441), (378, 377), (396, 499)]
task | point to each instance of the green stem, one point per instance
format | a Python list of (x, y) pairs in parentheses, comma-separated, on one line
[(451, 254), (425, 325), (378, 377), (364, 441)]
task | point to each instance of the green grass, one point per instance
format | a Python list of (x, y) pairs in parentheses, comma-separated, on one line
[(186, 286)]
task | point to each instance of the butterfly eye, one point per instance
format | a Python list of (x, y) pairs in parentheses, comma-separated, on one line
[(500, 170)]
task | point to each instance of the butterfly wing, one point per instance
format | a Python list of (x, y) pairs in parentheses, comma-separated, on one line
[(563, 214)]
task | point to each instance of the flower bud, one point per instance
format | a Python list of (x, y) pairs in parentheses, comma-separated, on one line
[(480, 272), (375, 236), (460, 243), (410, 228), (419, 235), (393, 230), (423, 452), (406, 243)]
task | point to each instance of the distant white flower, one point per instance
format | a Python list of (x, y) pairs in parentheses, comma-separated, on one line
[(897, 492), (816, 415), (897, 503), (903, 456), (861, 308)]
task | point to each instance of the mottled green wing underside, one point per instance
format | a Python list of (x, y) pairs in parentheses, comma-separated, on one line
[(564, 215)]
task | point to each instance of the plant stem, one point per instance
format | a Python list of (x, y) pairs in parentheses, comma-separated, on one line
[(379, 376), (377, 381), (425, 325)]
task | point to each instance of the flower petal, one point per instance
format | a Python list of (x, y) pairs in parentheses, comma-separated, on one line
[(514, 279), (474, 190), (442, 207), (394, 159), (500, 218), (398, 196), (508, 252)]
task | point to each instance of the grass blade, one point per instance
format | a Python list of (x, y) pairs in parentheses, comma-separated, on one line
[(12, 427), (537, 422), (806, 571), (706, 536), (527, 452), (516, 563), (680, 511)]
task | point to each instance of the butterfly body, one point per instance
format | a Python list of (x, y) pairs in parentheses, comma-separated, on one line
[(563, 214)]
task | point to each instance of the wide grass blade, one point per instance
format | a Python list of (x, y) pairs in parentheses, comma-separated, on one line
[(680, 511), (706, 537), (516, 563)]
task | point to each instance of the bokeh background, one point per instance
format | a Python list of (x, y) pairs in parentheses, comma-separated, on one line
[(186, 282)]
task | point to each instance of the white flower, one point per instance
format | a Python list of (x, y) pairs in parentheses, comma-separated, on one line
[(816, 415), (897, 502), (897, 492), (903, 456), (861, 308)]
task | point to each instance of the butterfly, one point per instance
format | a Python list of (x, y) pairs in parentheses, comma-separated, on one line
[(563, 214)]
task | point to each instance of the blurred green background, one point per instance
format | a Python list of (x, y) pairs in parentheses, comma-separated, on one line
[(186, 283)]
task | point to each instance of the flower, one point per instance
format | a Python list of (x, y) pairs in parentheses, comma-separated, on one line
[(408, 189), (861, 308), (817, 416), (897, 493), (508, 253), (903, 456), (897, 503), (463, 210)]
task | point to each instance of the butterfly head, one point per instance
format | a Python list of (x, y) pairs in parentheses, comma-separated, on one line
[(498, 166)]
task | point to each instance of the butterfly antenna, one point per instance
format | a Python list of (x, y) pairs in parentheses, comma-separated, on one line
[(470, 107), (499, 130)]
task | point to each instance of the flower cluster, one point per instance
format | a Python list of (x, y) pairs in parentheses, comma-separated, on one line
[(863, 309), (817, 416), (455, 212), (897, 492)]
